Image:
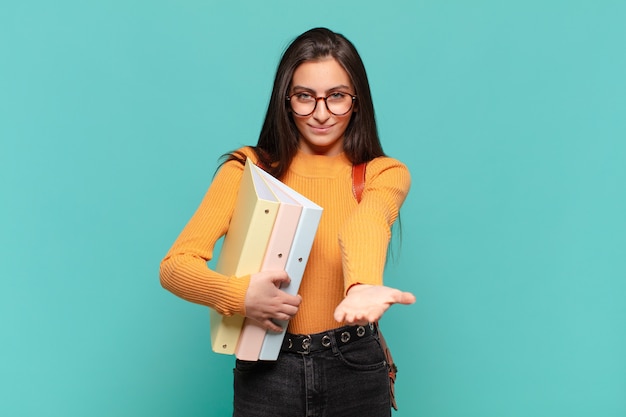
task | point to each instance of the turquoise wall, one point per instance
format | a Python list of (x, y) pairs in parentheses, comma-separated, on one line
[(511, 116)]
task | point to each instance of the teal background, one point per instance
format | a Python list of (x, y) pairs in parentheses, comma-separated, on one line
[(511, 116)]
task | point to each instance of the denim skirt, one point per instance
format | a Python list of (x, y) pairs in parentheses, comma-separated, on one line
[(340, 380)]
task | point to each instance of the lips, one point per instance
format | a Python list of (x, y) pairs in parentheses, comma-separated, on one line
[(321, 129)]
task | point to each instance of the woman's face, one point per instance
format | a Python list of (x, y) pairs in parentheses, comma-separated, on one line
[(322, 132)]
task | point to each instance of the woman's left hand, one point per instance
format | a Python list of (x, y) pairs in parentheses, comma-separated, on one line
[(367, 303)]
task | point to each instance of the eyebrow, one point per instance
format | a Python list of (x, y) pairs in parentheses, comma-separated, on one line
[(338, 87)]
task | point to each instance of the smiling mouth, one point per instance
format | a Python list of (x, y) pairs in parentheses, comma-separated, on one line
[(321, 128)]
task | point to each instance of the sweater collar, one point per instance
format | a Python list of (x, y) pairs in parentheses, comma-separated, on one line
[(319, 165)]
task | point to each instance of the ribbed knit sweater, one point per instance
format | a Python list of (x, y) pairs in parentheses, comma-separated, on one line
[(350, 245)]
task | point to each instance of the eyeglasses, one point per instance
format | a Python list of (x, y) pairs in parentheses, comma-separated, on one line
[(304, 104)]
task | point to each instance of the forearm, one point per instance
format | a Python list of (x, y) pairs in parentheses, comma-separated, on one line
[(364, 252), (188, 277), (365, 236)]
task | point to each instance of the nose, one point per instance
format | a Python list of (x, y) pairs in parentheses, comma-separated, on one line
[(321, 113)]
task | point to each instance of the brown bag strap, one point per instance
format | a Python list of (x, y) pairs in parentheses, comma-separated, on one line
[(393, 369), (358, 180)]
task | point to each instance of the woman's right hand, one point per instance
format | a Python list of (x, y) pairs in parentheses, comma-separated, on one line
[(266, 301)]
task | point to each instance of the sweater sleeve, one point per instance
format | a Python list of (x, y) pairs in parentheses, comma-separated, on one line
[(184, 269), (364, 238)]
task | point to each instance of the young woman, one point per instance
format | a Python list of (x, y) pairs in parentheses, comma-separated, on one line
[(319, 124)]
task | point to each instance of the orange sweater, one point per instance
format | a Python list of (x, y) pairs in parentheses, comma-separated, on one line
[(350, 246)]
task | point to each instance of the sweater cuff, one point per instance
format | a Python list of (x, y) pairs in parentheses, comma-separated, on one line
[(237, 286), (350, 287)]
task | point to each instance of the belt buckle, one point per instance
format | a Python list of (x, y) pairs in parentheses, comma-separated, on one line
[(306, 345)]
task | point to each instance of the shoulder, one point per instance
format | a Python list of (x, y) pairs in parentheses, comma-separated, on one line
[(387, 176), (387, 167), (232, 165), (246, 152), (237, 158)]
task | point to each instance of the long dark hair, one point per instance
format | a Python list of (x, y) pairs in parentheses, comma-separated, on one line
[(278, 140)]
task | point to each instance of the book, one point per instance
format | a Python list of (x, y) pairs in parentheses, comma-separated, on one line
[(243, 249)]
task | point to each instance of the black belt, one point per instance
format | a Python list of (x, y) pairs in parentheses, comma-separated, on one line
[(302, 343)]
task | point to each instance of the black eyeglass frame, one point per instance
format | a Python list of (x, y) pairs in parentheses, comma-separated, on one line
[(317, 99)]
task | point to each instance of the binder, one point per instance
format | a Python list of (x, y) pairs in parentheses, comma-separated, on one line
[(273, 227), (296, 261), (252, 333), (243, 249)]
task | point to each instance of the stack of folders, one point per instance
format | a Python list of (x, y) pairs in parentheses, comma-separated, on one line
[(272, 228)]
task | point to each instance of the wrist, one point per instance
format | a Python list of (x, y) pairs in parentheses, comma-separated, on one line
[(358, 286), (352, 286)]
